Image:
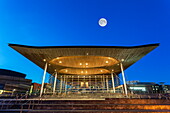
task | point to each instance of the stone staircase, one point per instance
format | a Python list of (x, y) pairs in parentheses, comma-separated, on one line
[(109, 105)]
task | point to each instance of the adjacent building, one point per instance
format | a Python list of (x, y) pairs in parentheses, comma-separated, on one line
[(147, 87), (13, 82)]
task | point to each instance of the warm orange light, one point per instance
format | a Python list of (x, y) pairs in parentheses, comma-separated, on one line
[(84, 61), (83, 71)]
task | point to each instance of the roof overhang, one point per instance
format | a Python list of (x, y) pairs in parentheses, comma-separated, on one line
[(130, 54)]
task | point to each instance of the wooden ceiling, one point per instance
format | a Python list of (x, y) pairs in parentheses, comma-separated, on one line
[(85, 60)]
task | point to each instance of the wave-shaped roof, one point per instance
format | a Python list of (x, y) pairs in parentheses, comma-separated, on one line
[(37, 54)]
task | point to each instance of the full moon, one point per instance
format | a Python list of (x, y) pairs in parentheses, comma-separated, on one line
[(102, 22)]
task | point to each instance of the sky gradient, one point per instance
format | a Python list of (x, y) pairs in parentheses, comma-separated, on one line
[(75, 22)]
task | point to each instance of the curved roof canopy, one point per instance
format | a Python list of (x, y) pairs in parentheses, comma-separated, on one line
[(84, 60)]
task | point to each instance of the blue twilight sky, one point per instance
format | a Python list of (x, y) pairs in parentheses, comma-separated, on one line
[(75, 22)]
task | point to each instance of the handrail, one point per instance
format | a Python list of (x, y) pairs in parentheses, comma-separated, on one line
[(30, 101), (3, 102), (9, 101)]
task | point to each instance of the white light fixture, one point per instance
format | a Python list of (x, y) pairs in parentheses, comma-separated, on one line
[(80, 63), (86, 64), (60, 62), (107, 61), (122, 60), (44, 60)]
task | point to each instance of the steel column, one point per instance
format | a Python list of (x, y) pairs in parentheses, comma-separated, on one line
[(107, 84), (54, 86), (61, 84), (123, 76), (113, 83), (43, 79)]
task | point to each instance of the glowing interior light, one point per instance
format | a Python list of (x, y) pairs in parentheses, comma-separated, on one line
[(86, 64), (80, 63), (101, 70), (107, 61), (57, 57), (86, 71), (122, 60), (66, 70), (44, 60), (60, 61), (138, 88), (81, 71)]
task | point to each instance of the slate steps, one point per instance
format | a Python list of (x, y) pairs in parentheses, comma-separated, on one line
[(112, 105)]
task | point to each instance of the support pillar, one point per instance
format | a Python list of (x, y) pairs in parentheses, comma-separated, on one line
[(107, 83), (78, 84), (95, 83), (103, 82), (90, 83), (72, 84), (123, 76), (113, 83), (61, 83), (43, 79), (66, 84), (85, 83), (54, 86)]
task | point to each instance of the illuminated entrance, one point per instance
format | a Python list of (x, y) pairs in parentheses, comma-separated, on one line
[(84, 69)]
